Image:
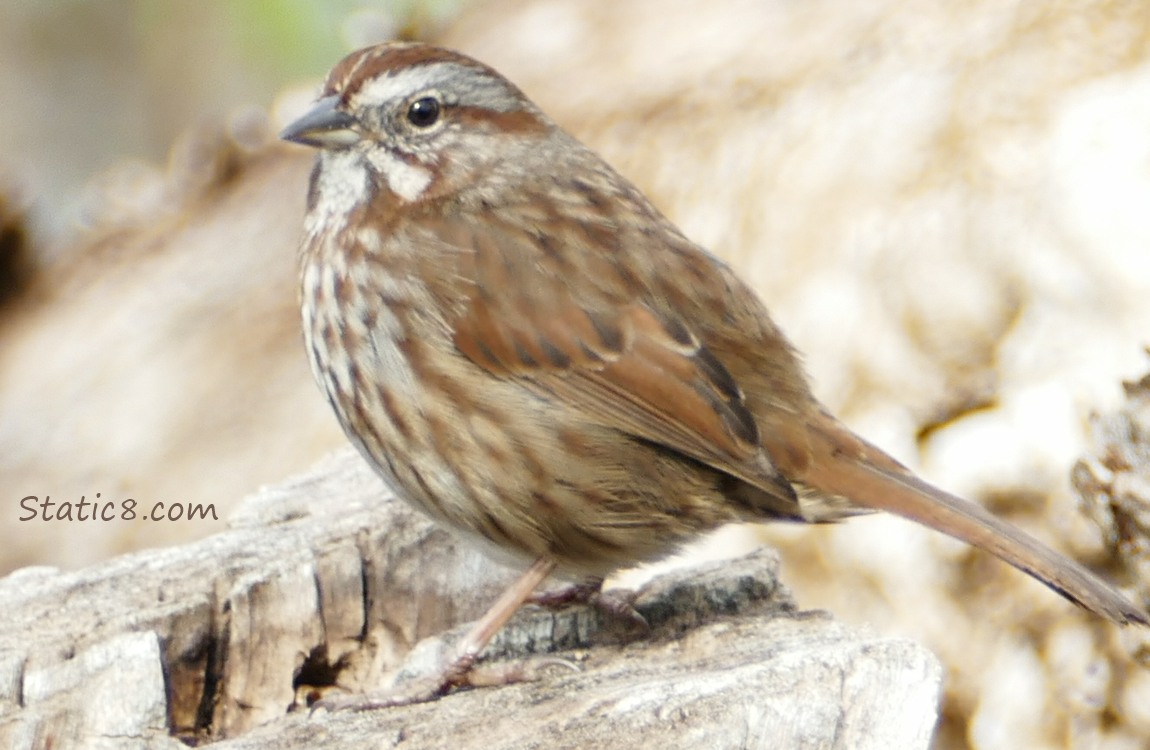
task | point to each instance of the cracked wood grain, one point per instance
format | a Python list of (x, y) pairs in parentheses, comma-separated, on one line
[(326, 582)]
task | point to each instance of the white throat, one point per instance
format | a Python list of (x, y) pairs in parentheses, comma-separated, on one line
[(342, 185)]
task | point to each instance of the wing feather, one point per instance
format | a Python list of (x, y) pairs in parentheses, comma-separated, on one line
[(615, 356)]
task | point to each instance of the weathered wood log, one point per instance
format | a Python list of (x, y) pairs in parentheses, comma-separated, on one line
[(327, 580)]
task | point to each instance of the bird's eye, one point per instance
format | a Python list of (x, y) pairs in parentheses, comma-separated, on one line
[(423, 113)]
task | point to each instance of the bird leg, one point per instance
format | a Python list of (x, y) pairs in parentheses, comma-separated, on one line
[(458, 671), (495, 618)]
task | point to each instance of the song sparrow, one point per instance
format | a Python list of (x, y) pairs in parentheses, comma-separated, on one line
[(527, 350)]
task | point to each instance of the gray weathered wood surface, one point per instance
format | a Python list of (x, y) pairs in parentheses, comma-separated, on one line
[(326, 579)]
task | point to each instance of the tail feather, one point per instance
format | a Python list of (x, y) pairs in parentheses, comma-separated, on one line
[(844, 464)]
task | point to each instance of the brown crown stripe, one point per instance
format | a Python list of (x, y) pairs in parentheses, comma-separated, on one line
[(349, 76)]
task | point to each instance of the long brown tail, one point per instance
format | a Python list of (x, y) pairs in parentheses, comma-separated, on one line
[(844, 464)]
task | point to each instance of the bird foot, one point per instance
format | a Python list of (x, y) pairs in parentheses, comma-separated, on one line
[(617, 604)]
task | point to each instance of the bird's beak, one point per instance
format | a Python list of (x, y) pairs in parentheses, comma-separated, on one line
[(324, 126)]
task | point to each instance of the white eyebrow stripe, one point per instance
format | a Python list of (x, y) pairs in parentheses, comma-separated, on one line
[(403, 83)]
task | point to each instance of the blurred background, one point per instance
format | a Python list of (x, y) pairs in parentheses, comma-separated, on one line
[(944, 204), (92, 85)]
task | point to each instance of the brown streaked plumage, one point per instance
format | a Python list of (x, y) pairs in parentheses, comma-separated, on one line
[(527, 350)]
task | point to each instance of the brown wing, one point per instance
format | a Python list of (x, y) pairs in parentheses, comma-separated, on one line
[(602, 346)]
